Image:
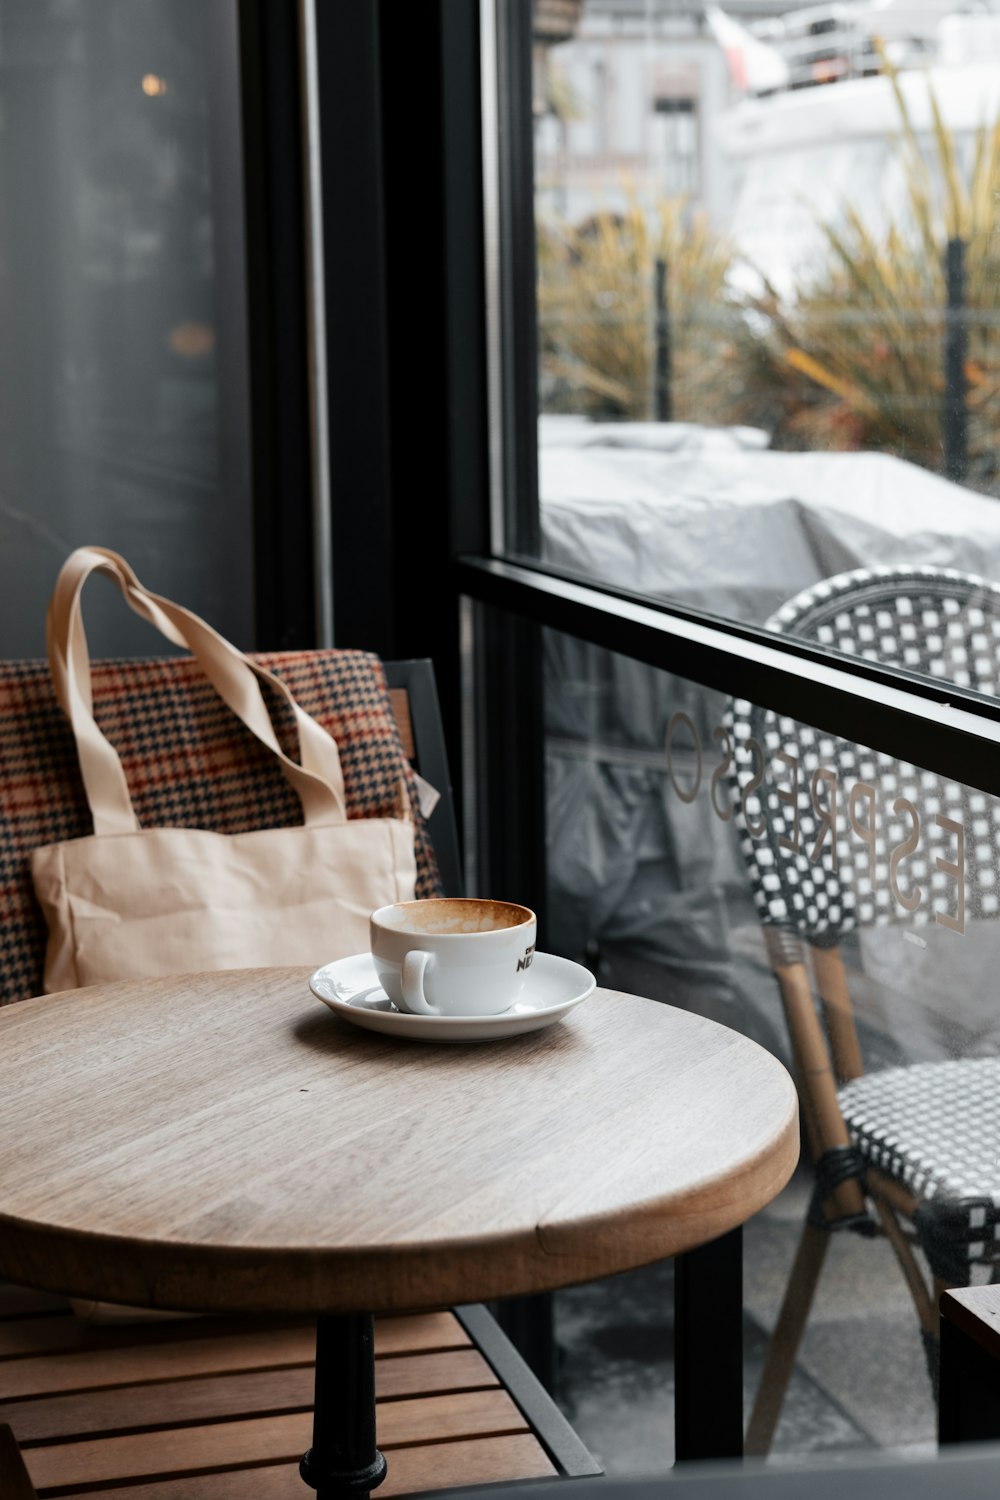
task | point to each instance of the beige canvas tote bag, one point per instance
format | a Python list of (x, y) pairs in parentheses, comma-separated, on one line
[(133, 903)]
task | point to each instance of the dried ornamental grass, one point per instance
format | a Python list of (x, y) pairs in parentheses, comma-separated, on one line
[(856, 359), (597, 314), (853, 359)]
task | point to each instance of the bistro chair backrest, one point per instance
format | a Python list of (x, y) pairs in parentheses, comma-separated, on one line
[(837, 836)]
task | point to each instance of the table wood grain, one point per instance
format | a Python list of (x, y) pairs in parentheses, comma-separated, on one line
[(222, 1142)]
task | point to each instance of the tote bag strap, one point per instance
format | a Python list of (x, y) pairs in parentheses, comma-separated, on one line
[(318, 781)]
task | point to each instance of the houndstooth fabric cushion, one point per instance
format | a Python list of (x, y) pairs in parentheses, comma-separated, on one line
[(936, 621), (189, 763), (935, 1127)]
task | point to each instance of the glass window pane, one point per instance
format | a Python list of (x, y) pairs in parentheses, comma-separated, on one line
[(767, 309), (122, 370), (831, 902)]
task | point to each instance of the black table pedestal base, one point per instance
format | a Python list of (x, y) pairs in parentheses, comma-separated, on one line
[(338, 1485), (708, 1350), (343, 1462)]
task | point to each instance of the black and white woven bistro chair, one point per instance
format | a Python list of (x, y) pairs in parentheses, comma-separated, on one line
[(827, 834)]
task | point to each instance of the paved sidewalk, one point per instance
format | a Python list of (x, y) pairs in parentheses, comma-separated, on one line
[(860, 1385)]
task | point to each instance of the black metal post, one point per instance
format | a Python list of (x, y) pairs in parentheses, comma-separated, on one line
[(343, 1462), (969, 1384), (511, 855), (515, 35), (663, 373), (956, 339), (529, 1323), (708, 1350), (277, 319)]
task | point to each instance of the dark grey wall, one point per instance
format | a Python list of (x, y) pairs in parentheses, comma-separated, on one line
[(122, 319)]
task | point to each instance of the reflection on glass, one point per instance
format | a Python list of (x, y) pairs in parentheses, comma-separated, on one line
[(121, 415), (782, 364), (841, 907)]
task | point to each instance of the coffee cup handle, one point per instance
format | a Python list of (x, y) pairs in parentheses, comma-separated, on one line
[(414, 967)]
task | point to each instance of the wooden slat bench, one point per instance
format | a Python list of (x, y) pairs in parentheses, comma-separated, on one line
[(183, 1409)]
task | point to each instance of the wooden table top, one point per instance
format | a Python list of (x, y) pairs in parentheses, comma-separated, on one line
[(222, 1142)]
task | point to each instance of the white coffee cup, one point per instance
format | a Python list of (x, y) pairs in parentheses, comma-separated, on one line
[(462, 957)]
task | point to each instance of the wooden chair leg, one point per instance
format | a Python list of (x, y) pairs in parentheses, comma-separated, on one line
[(838, 1013), (923, 1300), (817, 1083), (785, 1340)]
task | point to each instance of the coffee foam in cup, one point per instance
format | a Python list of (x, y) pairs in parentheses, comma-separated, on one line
[(467, 915)]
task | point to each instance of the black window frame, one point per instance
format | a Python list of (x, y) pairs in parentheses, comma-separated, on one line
[(935, 725), (440, 572)]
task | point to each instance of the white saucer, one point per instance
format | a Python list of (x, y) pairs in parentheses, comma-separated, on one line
[(553, 987)]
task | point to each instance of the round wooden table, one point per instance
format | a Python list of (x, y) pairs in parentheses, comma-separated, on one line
[(223, 1143)]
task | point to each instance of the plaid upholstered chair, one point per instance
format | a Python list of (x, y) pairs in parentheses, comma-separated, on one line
[(189, 763), (837, 838)]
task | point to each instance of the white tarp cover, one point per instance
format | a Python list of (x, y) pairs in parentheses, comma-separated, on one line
[(713, 519)]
